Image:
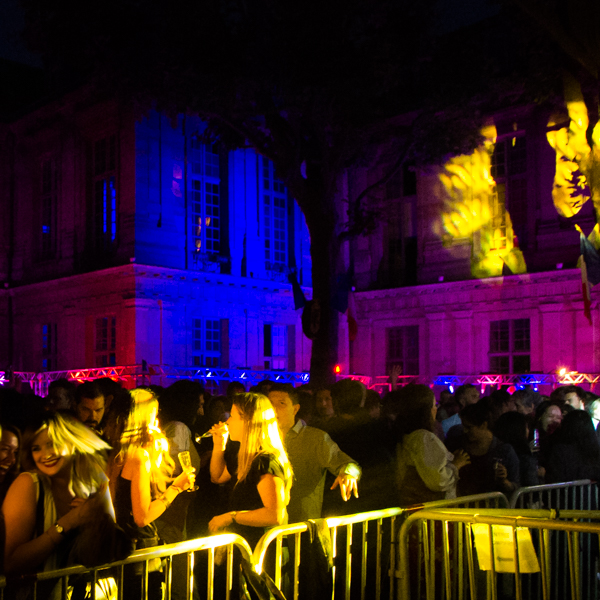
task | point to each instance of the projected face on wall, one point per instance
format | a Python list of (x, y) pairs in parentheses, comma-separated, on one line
[(577, 154)]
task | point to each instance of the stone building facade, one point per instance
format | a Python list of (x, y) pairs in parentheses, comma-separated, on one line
[(130, 239)]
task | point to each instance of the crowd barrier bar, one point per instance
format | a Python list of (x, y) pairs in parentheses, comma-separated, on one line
[(168, 551), (569, 494), (276, 534), (543, 520)]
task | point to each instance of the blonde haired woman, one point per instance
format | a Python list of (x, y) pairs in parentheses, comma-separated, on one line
[(140, 474), (264, 474), (64, 486)]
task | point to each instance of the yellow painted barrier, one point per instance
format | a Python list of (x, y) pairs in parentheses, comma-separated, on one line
[(458, 569)]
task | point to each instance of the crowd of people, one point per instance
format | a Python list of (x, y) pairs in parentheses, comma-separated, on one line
[(152, 465)]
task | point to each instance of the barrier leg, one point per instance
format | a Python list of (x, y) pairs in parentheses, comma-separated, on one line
[(470, 560), (363, 571)]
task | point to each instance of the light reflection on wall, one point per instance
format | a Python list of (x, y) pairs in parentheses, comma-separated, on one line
[(577, 164), (473, 210)]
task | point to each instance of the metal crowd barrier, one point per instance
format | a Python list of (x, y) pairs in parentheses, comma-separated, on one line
[(581, 494), (106, 581), (457, 573), (384, 560), (382, 555)]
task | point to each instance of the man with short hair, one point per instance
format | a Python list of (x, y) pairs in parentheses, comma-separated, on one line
[(89, 405), (465, 395), (312, 453), (575, 397), (60, 395)]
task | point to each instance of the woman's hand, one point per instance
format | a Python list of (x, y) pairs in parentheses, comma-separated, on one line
[(461, 458), (185, 480), (220, 433), (83, 510), (220, 522)]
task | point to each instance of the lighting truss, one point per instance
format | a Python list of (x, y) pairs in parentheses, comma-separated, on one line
[(519, 380), (144, 374)]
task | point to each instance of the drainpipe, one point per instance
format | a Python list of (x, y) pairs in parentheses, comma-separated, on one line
[(160, 347)]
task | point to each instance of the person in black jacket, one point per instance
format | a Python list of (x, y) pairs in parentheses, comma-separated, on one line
[(576, 451)]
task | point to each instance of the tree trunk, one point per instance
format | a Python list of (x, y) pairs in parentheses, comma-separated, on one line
[(326, 266)]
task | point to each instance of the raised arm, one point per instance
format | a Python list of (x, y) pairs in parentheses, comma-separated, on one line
[(218, 467)]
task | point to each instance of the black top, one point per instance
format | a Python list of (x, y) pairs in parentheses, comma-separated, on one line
[(245, 496), (479, 477), (566, 463), (124, 513)]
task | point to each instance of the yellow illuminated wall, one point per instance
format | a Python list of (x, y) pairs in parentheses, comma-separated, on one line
[(472, 208)]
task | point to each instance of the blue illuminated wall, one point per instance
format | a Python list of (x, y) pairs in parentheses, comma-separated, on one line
[(180, 180)]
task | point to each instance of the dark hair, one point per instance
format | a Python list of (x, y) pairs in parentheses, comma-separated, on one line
[(557, 395), (581, 394), (511, 427), (307, 404), (108, 387), (392, 404), (286, 388), (16, 467), (62, 382), (213, 409), (264, 386), (88, 389), (499, 398), (116, 417), (415, 401), (235, 387), (577, 428), (461, 392), (348, 395), (180, 402), (477, 414), (373, 399), (542, 407)]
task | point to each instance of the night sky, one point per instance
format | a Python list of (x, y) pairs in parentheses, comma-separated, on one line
[(452, 14), (11, 24)]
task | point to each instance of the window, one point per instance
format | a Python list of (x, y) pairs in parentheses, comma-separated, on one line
[(275, 347), (105, 193), (49, 347), (106, 342), (206, 343), (275, 219), (204, 182), (48, 207), (509, 170), (403, 349), (510, 346)]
